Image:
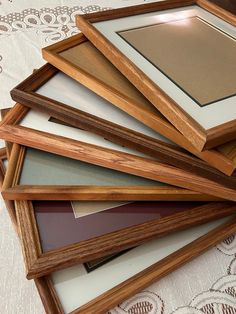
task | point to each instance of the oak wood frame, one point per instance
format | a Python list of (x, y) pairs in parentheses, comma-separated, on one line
[(114, 296), (9, 204), (223, 162), (8, 145), (44, 285), (11, 190), (142, 280), (135, 284), (26, 94), (4, 155), (38, 263), (151, 169), (199, 137)]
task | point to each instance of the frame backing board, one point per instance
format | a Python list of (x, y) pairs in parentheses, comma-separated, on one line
[(93, 149), (104, 30), (73, 57)]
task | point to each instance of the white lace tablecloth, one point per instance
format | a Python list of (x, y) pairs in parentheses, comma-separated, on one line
[(206, 285)]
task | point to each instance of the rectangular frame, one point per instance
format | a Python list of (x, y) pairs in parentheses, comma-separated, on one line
[(110, 158), (200, 137), (135, 284), (12, 190), (26, 93), (39, 264), (128, 99)]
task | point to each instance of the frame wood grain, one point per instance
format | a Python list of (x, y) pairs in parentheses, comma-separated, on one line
[(26, 93), (38, 263), (106, 301), (12, 190), (8, 145), (142, 280), (148, 168), (135, 284), (4, 155), (201, 138), (121, 93)]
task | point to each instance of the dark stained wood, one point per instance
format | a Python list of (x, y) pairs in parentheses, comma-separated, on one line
[(120, 135), (225, 9), (228, 5)]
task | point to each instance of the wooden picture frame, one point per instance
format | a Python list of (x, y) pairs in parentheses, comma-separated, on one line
[(72, 56), (104, 302), (4, 157), (45, 90), (107, 300), (120, 45), (8, 145), (9, 204), (29, 132), (136, 188), (40, 261)]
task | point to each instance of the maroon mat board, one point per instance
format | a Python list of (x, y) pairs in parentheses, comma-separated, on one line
[(58, 227)]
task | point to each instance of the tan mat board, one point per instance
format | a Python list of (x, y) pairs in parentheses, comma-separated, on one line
[(73, 56), (193, 66), (201, 134)]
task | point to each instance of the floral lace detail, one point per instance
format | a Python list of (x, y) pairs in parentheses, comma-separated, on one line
[(221, 297), (54, 24), (228, 246), (145, 302)]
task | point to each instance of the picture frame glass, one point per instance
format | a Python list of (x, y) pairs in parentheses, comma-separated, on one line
[(195, 27)]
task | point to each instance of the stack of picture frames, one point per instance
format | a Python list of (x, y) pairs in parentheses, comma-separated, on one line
[(120, 158)]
